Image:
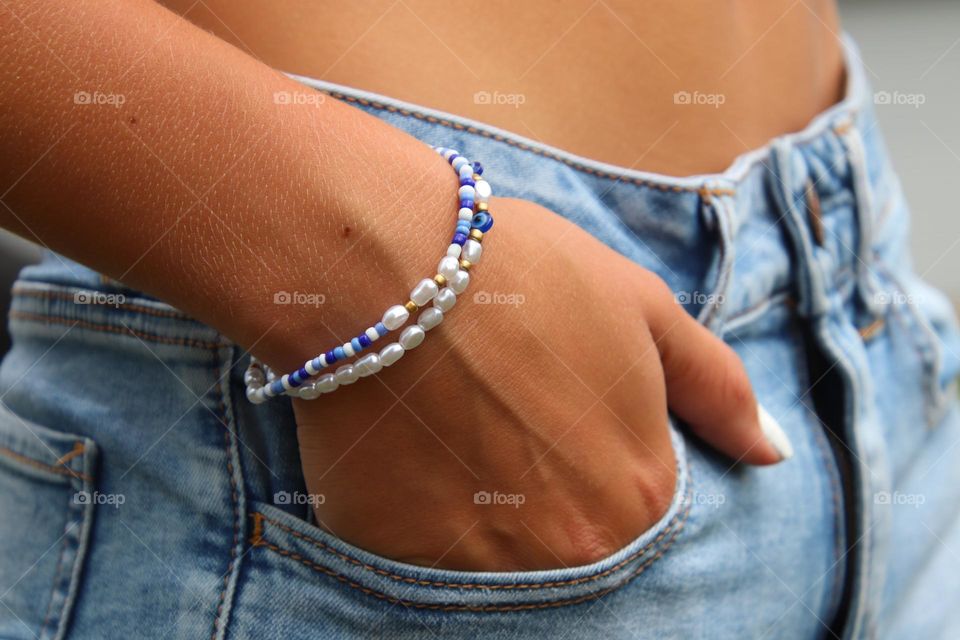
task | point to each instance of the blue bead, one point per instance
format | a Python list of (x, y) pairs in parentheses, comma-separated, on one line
[(331, 357), (453, 157), (381, 329), (467, 182), (482, 221), (340, 353), (459, 238), (316, 364), (276, 387), (478, 168), (364, 340), (463, 226), (466, 202), (355, 343)]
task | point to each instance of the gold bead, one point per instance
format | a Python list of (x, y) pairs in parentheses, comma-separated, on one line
[(411, 306), (476, 177), (482, 206), (465, 265), (440, 280), (476, 234)]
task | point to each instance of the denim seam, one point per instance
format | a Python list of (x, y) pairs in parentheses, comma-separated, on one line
[(19, 291), (62, 470), (83, 324), (830, 463), (219, 621), (261, 542)]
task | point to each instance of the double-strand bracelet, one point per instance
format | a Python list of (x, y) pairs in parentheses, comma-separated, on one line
[(451, 280)]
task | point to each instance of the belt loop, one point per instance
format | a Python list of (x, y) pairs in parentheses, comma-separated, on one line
[(811, 291), (867, 285), (719, 214)]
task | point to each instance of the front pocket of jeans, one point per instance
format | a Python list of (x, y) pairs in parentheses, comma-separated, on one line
[(46, 501), (315, 555)]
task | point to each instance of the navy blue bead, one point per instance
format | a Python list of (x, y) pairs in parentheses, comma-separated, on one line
[(331, 357), (453, 157), (478, 168), (466, 202), (482, 221), (364, 340), (459, 238)]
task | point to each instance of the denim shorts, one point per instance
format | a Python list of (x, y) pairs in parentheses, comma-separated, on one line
[(142, 496)]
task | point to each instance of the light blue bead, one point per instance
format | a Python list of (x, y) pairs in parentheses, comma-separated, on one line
[(355, 343), (381, 329), (340, 353)]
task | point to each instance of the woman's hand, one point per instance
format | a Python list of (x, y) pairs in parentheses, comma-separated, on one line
[(548, 385)]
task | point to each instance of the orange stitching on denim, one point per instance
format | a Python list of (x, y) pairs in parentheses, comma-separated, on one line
[(61, 470), (63, 295), (487, 587), (481, 608), (676, 521), (872, 329), (183, 342), (520, 145), (78, 448), (222, 408)]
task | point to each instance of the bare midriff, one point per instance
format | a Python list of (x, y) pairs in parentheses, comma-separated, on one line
[(678, 88)]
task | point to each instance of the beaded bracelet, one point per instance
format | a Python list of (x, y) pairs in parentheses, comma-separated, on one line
[(452, 278)]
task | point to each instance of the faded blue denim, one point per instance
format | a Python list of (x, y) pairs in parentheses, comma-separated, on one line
[(141, 496)]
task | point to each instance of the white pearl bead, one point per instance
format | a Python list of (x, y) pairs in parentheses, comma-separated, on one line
[(308, 391), (466, 191), (483, 190), (253, 376), (472, 251), (429, 318), (411, 337), (459, 282), (423, 292), (372, 334), (326, 383), (368, 365), (391, 353), (448, 266), (346, 374), (459, 162), (253, 393), (445, 299), (465, 213), (454, 250), (395, 317)]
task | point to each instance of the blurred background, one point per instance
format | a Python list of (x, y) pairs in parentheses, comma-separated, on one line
[(912, 54)]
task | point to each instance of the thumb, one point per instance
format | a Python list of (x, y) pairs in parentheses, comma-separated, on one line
[(708, 387)]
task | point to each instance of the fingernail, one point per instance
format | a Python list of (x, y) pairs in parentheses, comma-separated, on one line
[(775, 434)]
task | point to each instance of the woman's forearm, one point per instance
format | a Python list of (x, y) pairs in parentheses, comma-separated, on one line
[(181, 166)]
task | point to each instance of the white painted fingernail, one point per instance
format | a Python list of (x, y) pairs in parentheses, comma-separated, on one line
[(775, 434)]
